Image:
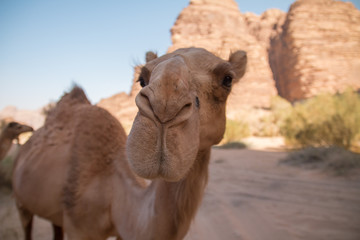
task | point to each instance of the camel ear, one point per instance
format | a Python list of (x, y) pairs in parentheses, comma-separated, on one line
[(238, 62), (150, 56)]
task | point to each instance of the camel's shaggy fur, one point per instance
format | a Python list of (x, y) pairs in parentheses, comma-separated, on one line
[(82, 173)]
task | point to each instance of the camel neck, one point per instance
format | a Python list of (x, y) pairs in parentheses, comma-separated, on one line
[(5, 145), (163, 210), (182, 198)]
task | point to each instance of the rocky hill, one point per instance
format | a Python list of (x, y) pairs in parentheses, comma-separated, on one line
[(318, 49), (122, 105), (313, 48), (222, 29)]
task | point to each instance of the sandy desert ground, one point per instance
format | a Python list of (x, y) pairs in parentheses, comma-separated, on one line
[(250, 196)]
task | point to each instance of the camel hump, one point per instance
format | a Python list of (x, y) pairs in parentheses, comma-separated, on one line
[(66, 105), (76, 95)]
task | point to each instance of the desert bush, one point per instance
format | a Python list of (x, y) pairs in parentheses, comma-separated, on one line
[(268, 124), (233, 145), (235, 131), (334, 159), (324, 120), (280, 108)]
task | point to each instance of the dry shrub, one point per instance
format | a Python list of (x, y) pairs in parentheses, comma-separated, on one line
[(233, 145), (334, 159), (267, 127), (268, 124), (235, 131), (324, 120)]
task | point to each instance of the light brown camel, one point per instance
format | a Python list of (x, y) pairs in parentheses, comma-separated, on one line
[(10, 133), (77, 171)]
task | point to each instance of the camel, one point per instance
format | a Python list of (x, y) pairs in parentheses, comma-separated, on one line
[(82, 173), (11, 132)]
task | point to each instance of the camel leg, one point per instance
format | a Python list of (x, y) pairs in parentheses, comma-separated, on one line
[(58, 232), (26, 220)]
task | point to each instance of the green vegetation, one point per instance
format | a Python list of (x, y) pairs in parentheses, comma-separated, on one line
[(326, 127), (235, 131), (268, 125), (325, 120)]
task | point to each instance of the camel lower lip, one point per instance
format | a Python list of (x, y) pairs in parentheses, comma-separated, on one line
[(161, 158)]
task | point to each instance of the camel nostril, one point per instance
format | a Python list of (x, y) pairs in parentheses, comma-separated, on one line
[(185, 108), (184, 112), (143, 103), (144, 95), (197, 102), (164, 110)]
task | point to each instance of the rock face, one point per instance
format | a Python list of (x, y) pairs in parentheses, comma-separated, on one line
[(219, 27), (313, 48), (318, 49)]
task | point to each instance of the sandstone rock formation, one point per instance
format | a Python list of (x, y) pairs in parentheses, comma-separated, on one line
[(221, 28), (318, 49), (122, 105), (312, 49)]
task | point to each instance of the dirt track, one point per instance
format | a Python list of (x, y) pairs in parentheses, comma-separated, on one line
[(251, 197)]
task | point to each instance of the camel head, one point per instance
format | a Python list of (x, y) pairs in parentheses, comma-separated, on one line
[(181, 110), (14, 129)]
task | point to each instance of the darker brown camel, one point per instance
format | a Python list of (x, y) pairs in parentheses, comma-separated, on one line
[(10, 133), (80, 172)]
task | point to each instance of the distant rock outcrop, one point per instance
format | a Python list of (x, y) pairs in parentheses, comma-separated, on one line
[(122, 105), (318, 49), (221, 28), (312, 49), (33, 118)]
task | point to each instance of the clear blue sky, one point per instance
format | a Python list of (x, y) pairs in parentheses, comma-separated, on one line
[(45, 45)]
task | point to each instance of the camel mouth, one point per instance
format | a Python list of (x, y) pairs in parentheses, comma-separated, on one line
[(24, 129), (163, 151), (28, 129)]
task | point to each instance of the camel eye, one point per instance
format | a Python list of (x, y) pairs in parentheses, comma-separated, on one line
[(142, 81), (227, 81)]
